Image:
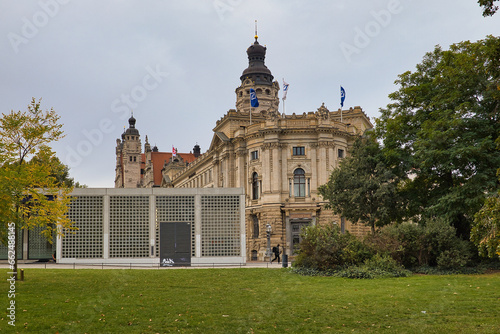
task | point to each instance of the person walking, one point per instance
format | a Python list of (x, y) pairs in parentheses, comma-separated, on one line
[(276, 251)]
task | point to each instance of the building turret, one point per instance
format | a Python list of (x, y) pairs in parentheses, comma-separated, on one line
[(128, 157), (260, 78), (196, 150)]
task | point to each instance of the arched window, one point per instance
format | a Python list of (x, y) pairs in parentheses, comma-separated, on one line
[(255, 186), (254, 255), (255, 226), (299, 182)]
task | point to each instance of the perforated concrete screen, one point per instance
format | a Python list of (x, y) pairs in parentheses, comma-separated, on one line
[(40, 247), (86, 212), (175, 209), (122, 225), (4, 250), (129, 226), (220, 226)]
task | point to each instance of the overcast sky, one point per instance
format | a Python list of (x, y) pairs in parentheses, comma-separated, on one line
[(176, 64)]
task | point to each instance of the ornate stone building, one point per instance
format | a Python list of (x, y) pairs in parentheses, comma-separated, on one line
[(280, 160)]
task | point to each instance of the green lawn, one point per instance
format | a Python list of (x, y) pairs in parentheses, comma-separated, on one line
[(248, 301)]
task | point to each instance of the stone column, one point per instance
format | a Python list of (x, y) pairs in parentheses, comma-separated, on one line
[(266, 170), (276, 169), (314, 169), (284, 170)]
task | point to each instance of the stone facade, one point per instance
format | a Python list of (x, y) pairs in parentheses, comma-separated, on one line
[(280, 160), (128, 158)]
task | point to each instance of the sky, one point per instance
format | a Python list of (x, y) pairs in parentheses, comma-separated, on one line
[(176, 63)]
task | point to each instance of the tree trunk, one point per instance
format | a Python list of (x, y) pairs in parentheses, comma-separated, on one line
[(16, 241)]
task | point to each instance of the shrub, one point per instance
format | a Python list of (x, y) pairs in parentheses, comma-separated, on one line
[(432, 243), (403, 243), (325, 248), (383, 262), (355, 272), (452, 258)]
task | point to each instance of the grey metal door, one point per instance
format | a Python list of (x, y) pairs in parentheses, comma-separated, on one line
[(175, 244)]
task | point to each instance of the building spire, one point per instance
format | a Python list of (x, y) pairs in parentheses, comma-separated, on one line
[(257, 71), (256, 35)]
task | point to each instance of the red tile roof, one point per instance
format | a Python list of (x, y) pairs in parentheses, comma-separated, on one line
[(158, 159)]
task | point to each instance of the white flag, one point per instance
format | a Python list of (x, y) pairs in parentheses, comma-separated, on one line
[(285, 89)]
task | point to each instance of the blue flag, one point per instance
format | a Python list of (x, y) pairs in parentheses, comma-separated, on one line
[(342, 96), (253, 98)]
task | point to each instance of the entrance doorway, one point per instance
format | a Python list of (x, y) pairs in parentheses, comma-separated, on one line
[(175, 244), (296, 229)]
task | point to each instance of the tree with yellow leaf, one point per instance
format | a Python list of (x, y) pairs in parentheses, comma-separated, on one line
[(30, 195)]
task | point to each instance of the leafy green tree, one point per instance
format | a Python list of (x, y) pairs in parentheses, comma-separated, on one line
[(489, 8), (486, 230), (58, 170), (30, 194), (364, 189), (441, 129)]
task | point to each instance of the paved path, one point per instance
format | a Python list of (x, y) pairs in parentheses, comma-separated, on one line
[(52, 265)]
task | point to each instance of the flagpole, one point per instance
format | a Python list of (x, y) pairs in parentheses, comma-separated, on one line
[(285, 90), (283, 98)]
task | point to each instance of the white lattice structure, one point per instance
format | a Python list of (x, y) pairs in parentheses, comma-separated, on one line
[(121, 226)]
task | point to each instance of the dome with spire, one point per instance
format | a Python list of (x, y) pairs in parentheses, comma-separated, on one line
[(131, 127), (257, 71)]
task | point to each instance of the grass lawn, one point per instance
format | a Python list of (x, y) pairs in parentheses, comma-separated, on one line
[(248, 301)]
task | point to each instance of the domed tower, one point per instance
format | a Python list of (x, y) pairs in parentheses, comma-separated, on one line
[(128, 156), (258, 77)]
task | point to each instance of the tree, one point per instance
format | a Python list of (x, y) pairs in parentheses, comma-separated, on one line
[(485, 232), (30, 195), (489, 7), (60, 172), (364, 189), (442, 127)]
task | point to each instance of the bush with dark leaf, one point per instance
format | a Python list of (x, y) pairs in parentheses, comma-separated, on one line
[(430, 243), (325, 248)]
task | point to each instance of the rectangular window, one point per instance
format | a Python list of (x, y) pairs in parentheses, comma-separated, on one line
[(254, 155), (341, 153), (299, 150)]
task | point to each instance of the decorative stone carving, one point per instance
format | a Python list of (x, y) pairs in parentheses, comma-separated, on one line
[(272, 114), (323, 112)]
